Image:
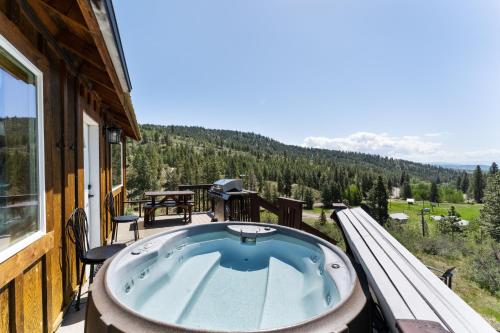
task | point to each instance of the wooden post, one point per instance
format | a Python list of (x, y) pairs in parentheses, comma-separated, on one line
[(16, 309), (290, 212), (254, 207)]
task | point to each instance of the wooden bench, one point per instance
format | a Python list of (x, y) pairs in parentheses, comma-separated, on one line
[(404, 288), (139, 203), (150, 209)]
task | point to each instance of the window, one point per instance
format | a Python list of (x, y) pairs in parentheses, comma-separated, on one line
[(22, 190), (116, 165)]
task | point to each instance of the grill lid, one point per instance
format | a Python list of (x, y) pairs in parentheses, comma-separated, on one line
[(228, 185)]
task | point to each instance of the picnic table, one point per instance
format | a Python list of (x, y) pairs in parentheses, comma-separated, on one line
[(180, 199)]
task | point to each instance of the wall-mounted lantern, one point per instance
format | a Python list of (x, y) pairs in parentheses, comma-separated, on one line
[(113, 135)]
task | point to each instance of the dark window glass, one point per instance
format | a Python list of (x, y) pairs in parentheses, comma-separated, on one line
[(19, 204), (116, 165)]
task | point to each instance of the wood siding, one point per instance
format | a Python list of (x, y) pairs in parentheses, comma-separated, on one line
[(38, 283)]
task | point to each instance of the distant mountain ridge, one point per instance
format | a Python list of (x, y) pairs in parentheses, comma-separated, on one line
[(268, 157), (458, 166)]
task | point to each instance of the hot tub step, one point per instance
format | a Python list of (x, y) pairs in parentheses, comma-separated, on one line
[(170, 301)]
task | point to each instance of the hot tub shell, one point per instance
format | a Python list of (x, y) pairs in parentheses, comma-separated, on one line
[(106, 314)]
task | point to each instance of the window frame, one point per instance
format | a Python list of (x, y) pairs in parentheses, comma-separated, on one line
[(115, 187), (40, 143)]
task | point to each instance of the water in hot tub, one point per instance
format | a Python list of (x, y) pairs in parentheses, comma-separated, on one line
[(221, 283)]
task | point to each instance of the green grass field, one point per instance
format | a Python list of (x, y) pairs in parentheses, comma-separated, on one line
[(468, 212), (317, 210)]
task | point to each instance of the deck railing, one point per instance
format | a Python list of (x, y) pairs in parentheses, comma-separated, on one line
[(201, 200), (248, 208)]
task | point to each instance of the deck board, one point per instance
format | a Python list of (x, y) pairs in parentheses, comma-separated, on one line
[(388, 297)]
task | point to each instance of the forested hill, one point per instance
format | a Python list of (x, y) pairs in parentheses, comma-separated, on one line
[(182, 154)]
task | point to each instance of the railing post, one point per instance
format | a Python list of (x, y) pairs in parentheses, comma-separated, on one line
[(290, 212), (201, 201), (254, 206)]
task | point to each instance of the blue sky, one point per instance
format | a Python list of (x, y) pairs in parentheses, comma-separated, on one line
[(412, 79)]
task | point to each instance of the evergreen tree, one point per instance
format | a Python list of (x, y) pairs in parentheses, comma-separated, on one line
[(493, 168), (287, 182), (308, 198), (478, 184), (251, 181), (458, 183), (210, 171), (267, 193), (336, 192), (406, 191), (378, 201), (353, 195), (322, 217), (465, 182), (281, 186), (326, 196), (434, 193), (402, 180), (366, 185), (490, 214), (143, 175)]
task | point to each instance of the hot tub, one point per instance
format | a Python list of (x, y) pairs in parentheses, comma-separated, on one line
[(227, 277)]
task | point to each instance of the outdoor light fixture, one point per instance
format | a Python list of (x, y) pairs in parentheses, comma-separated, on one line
[(114, 135)]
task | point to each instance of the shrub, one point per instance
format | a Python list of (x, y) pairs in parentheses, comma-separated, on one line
[(332, 230), (441, 246), (485, 270)]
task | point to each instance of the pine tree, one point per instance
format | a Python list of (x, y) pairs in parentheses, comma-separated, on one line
[(326, 195), (378, 201), (144, 172), (490, 214), (322, 217), (366, 185), (434, 194), (267, 193), (465, 182), (458, 183), (493, 168), (353, 195), (287, 182), (402, 180), (478, 184), (279, 180), (308, 198), (336, 192), (406, 191)]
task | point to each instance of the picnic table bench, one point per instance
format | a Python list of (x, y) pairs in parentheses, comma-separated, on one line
[(408, 293), (179, 199)]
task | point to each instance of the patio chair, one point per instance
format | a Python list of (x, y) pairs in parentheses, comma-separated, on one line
[(110, 208), (77, 230)]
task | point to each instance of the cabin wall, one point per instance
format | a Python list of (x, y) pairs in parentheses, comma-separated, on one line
[(38, 283)]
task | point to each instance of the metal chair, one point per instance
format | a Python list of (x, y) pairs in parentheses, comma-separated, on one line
[(110, 208), (77, 230)]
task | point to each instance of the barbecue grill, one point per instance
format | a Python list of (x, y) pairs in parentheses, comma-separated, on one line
[(228, 200)]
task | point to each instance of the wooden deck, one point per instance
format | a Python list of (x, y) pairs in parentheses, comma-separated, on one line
[(161, 224)]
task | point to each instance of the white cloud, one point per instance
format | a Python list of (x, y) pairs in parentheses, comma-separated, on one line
[(374, 143), (436, 135), (416, 148)]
